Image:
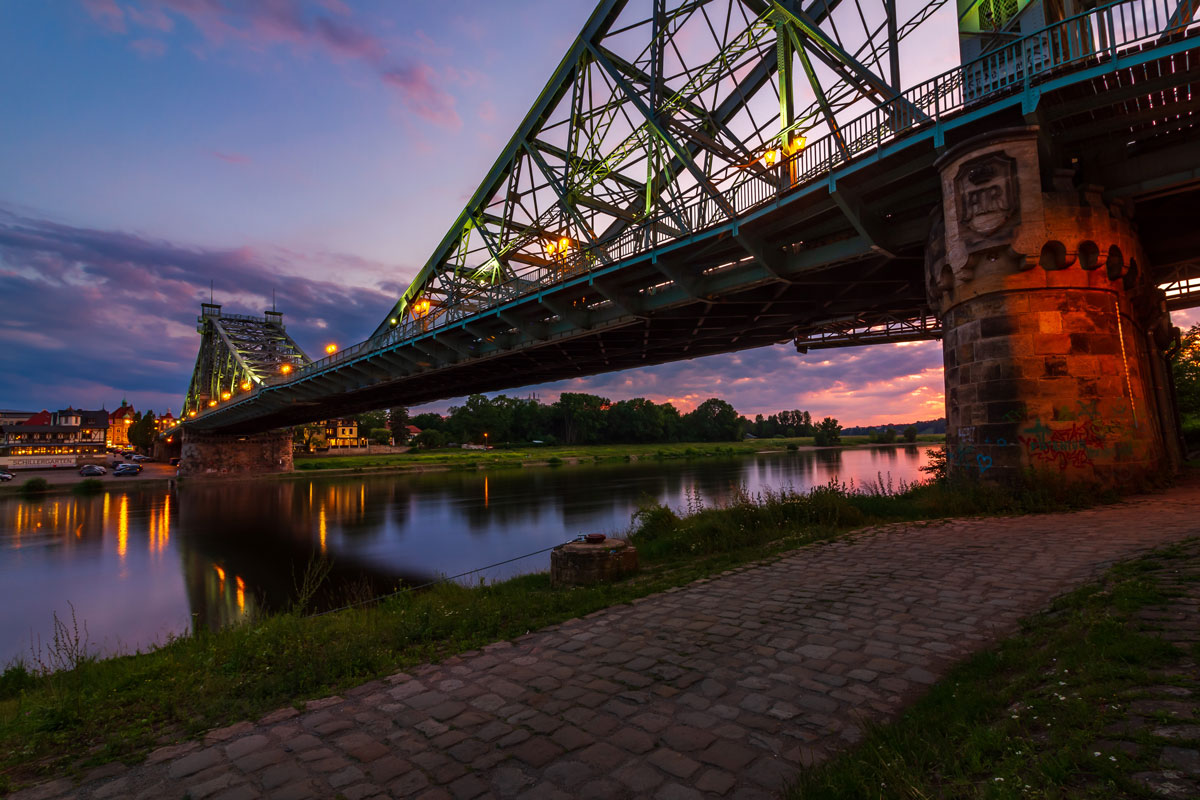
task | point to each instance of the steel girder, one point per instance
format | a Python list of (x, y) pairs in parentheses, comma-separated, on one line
[(647, 132), (238, 354)]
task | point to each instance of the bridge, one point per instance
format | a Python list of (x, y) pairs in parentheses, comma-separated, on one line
[(670, 195)]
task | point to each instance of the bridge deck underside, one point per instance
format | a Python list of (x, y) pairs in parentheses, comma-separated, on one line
[(844, 252)]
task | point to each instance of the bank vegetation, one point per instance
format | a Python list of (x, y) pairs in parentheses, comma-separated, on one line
[(63, 709)]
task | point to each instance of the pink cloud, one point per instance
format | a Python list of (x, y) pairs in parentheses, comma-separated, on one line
[(487, 111), (107, 13), (148, 48), (422, 95), (326, 27)]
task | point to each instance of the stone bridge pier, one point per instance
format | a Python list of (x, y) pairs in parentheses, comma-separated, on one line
[(1054, 335), (220, 455)]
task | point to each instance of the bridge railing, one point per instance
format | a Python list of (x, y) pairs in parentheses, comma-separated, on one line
[(1092, 37)]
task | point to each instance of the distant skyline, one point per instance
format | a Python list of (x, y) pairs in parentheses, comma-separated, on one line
[(318, 149)]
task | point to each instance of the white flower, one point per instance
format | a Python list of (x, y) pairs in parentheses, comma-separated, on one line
[(1096, 754)]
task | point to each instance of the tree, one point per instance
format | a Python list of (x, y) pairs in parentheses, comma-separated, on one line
[(714, 420), (910, 433), (381, 435), (398, 420), (828, 432), (581, 417), (370, 420), (310, 437), (1186, 369), (428, 422), (142, 431), (428, 439)]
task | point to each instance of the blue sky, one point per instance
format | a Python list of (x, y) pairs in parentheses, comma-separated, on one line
[(317, 148)]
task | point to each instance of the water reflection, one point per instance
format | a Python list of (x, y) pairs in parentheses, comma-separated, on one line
[(141, 565)]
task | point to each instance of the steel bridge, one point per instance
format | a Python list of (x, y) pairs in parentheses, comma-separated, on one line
[(669, 195)]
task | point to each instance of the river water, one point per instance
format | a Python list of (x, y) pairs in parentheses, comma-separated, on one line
[(140, 565)]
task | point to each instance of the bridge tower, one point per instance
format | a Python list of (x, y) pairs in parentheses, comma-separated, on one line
[(1053, 331), (239, 355)]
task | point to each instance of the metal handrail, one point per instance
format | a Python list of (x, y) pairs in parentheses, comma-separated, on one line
[(1096, 35)]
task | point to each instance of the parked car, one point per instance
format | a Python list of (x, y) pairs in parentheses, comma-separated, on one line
[(127, 469), (140, 458), (174, 462), (129, 454), (5, 476), (89, 470)]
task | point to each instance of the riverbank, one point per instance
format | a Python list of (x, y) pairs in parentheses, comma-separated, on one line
[(160, 476), (120, 708), (734, 681), (500, 457)]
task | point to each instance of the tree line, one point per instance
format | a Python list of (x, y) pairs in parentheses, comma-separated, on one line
[(578, 418)]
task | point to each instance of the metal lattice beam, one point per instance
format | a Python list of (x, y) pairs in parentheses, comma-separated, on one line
[(238, 354)]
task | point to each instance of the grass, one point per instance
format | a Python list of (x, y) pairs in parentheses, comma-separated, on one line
[(518, 456), (70, 710), (1022, 719)]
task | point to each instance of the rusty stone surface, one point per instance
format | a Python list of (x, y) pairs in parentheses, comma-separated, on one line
[(1052, 330), (726, 687), (205, 455), (584, 563)]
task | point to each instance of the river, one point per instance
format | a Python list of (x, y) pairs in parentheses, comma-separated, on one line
[(141, 565)]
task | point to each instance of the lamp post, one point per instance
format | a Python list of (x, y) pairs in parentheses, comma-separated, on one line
[(485, 441)]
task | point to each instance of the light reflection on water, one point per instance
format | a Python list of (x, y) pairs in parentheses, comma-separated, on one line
[(141, 565)]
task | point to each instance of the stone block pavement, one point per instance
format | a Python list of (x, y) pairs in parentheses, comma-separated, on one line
[(723, 688)]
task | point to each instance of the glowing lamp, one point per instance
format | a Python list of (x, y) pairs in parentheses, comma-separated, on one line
[(226, 395), (192, 413), (395, 321), (331, 348), (245, 386), (212, 403), (286, 369), (770, 157)]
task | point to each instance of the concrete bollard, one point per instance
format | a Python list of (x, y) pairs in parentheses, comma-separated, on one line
[(588, 562)]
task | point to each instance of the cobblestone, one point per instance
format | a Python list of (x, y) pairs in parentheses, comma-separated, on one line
[(724, 688)]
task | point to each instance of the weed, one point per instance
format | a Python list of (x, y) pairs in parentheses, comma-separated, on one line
[(88, 486)]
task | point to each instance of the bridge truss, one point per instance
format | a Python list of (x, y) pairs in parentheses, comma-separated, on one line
[(743, 229), (238, 354), (663, 119)]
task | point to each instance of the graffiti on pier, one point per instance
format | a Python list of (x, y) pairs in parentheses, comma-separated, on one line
[(1090, 434)]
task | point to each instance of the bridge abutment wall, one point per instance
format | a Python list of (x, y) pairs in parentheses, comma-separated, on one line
[(1053, 334), (207, 455)]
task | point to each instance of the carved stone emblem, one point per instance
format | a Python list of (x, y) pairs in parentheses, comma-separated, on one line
[(986, 189)]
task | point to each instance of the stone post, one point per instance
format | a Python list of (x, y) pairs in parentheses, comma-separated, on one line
[(219, 455), (1051, 326)]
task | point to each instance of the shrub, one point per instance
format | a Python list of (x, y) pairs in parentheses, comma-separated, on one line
[(793, 447), (35, 486)]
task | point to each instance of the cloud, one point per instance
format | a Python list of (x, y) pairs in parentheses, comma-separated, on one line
[(421, 94), (107, 13), (93, 314), (148, 48), (325, 27), (862, 385)]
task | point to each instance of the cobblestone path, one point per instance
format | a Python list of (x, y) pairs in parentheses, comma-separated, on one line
[(725, 687)]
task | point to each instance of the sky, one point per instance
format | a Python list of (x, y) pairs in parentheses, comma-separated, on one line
[(311, 150)]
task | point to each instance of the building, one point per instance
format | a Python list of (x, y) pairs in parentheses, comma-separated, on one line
[(411, 432), (165, 422), (342, 433), (119, 423), (11, 417), (65, 438)]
